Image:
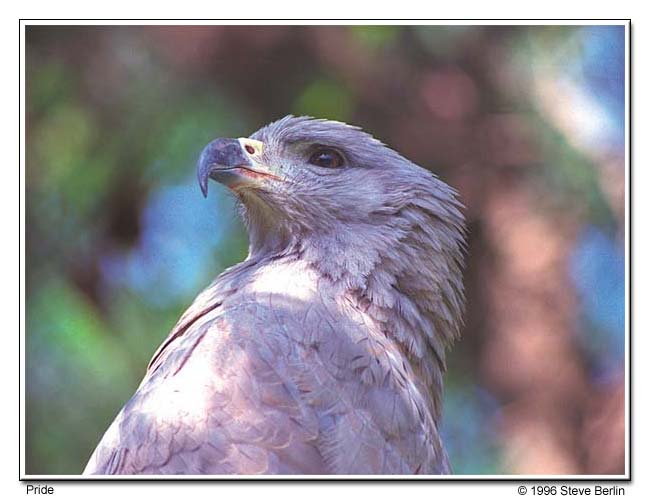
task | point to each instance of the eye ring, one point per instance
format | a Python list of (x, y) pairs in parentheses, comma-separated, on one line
[(326, 158)]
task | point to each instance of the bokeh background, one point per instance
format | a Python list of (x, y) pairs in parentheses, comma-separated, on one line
[(528, 122)]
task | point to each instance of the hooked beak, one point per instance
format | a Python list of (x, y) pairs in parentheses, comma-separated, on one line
[(226, 161)]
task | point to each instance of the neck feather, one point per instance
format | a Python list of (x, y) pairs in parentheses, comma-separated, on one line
[(403, 267), (406, 275)]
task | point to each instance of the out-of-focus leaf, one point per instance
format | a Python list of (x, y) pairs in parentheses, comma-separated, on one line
[(325, 99), (47, 84), (66, 159), (376, 37), (67, 346), (469, 438)]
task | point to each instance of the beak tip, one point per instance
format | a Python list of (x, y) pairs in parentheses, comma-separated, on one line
[(204, 188)]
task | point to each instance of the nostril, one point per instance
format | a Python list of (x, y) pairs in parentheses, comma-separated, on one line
[(249, 149)]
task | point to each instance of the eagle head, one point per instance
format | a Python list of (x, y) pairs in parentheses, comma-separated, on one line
[(301, 178)]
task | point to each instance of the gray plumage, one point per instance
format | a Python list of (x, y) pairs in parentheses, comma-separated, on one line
[(324, 351)]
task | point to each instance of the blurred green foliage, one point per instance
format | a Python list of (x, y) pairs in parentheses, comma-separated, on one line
[(325, 98)]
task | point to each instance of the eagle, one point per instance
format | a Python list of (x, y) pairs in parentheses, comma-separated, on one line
[(324, 351)]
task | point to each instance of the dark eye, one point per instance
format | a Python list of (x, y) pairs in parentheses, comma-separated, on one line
[(327, 158)]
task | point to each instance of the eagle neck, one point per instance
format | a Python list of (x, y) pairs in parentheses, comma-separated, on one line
[(407, 281)]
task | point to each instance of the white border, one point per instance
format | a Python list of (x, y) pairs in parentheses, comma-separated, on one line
[(325, 22), (474, 22)]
